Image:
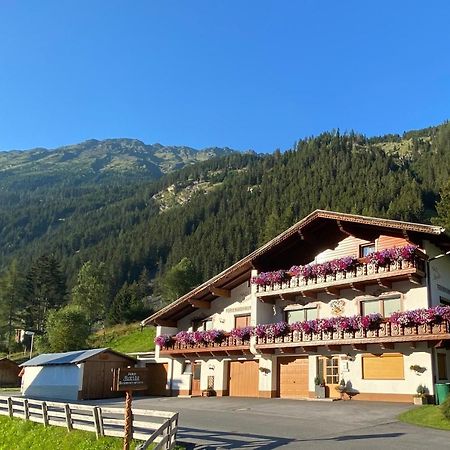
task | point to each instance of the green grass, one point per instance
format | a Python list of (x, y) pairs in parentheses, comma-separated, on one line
[(18, 434), (125, 338), (426, 416)]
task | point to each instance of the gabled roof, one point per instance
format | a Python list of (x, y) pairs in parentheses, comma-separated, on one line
[(6, 360), (75, 357), (298, 245)]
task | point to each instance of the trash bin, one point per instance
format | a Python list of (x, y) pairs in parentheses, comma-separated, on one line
[(442, 391)]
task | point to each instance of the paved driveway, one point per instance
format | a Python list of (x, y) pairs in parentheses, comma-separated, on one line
[(236, 423)]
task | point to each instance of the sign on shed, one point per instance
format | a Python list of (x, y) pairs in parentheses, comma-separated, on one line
[(130, 379)]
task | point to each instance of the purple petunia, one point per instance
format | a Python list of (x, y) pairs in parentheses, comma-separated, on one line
[(163, 340)]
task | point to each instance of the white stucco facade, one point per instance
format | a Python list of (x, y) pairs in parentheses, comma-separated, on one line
[(244, 300)]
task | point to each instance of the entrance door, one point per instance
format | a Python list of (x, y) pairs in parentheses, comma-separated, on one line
[(331, 375), (293, 374), (244, 379), (196, 373), (157, 379)]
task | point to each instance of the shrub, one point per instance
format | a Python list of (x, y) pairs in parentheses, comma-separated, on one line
[(445, 407)]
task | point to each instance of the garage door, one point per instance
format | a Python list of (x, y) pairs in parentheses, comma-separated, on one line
[(244, 379), (157, 379), (293, 377)]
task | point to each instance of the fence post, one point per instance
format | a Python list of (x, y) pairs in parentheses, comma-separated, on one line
[(26, 409), (10, 407), (98, 421), (44, 414), (68, 417)]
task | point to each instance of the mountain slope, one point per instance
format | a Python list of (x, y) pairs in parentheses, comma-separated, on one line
[(97, 161), (243, 201)]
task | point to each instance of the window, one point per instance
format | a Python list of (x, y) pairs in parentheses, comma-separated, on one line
[(187, 369), (202, 325), (388, 366), (299, 315), (242, 321), (370, 307), (444, 301), (366, 249), (383, 305), (332, 370), (442, 366)]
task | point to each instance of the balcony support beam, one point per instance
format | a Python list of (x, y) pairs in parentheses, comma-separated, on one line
[(384, 283), (166, 323), (333, 348), (387, 346), (333, 291), (306, 294), (359, 347), (202, 304), (220, 292), (358, 287)]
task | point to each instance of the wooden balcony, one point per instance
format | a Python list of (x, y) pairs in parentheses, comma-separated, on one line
[(229, 346), (437, 335), (355, 279)]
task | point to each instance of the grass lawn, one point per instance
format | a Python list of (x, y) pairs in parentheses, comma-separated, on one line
[(426, 416), (127, 338), (18, 434)]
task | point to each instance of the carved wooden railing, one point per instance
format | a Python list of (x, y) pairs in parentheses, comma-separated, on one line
[(362, 271), (385, 330), (226, 343)]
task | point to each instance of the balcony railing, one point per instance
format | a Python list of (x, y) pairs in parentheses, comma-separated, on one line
[(387, 332), (229, 345), (364, 273)]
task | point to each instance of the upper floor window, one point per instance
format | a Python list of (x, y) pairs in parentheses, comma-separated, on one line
[(242, 321), (366, 249), (382, 305), (202, 325), (300, 315)]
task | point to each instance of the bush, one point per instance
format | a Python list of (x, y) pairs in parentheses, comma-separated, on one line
[(446, 408)]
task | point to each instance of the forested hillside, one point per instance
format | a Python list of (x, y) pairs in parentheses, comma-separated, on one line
[(212, 212)]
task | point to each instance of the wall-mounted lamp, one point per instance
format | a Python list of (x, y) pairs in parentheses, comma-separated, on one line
[(350, 357), (211, 367), (264, 370)]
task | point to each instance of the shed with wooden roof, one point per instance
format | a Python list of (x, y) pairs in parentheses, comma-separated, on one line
[(9, 373), (77, 375)]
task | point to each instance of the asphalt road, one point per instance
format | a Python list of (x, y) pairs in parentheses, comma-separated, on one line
[(249, 423)]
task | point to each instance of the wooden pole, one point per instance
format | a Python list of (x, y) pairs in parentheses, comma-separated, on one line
[(128, 420)]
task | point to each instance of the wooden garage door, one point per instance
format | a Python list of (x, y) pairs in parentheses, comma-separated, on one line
[(293, 377), (244, 379), (157, 379)]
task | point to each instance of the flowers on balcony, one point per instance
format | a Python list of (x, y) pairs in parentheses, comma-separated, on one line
[(268, 278), (348, 263), (422, 316), (356, 323), (164, 340), (242, 333)]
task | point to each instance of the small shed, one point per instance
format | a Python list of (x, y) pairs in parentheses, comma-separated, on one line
[(78, 375), (9, 373)]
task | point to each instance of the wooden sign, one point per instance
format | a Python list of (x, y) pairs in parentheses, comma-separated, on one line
[(130, 379)]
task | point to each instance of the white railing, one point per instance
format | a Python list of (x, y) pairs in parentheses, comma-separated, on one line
[(152, 427)]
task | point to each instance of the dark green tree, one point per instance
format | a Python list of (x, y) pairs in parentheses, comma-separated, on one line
[(91, 291), (12, 291), (66, 329), (45, 290), (178, 280)]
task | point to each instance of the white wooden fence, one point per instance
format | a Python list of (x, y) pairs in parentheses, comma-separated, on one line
[(152, 427)]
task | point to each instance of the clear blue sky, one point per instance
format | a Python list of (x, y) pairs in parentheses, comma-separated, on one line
[(238, 73)]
